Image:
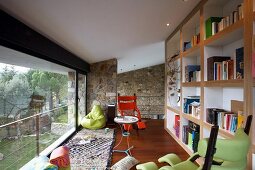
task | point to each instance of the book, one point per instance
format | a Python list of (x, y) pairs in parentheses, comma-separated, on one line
[(185, 134), (240, 119), (230, 69), (208, 25), (239, 63), (210, 65), (176, 121)]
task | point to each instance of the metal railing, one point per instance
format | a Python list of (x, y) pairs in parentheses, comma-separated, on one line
[(21, 140)]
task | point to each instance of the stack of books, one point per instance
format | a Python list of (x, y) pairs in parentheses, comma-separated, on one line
[(192, 73), (225, 120), (217, 24), (188, 101), (190, 135), (225, 68), (194, 41)]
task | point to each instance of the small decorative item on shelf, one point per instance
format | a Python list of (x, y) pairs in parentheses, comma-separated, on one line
[(173, 69)]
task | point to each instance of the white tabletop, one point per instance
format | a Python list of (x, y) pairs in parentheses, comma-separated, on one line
[(126, 119)]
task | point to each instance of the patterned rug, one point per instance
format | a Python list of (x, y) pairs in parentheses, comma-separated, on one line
[(91, 149)]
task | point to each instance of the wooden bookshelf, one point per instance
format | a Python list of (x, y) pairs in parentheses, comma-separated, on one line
[(230, 34), (191, 84), (174, 109), (191, 118), (217, 93), (193, 51), (224, 83), (222, 132)]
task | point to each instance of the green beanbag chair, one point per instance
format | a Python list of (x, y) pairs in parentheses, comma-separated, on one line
[(95, 119)]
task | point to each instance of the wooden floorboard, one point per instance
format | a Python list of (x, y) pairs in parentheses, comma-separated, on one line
[(150, 144)]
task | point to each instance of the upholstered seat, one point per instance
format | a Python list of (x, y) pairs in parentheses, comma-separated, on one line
[(95, 119)]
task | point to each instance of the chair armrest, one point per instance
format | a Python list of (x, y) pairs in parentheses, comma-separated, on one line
[(172, 159), (147, 166)]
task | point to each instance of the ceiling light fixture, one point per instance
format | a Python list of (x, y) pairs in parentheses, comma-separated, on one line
[(185, 0), (167, 24)]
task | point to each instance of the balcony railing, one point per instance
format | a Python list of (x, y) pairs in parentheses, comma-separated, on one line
[(23, 139)]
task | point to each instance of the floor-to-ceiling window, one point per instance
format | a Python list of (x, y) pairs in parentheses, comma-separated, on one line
[(37, 106)]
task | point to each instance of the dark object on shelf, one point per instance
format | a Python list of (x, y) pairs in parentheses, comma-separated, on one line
[(248, 124), (210, 65), (239, 63), (111, 114), (186, 45), (212, 115)]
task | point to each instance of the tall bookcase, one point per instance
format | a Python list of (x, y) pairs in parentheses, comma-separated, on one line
[(232, 94)]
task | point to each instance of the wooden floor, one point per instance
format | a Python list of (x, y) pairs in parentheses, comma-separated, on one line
[(150, 144)]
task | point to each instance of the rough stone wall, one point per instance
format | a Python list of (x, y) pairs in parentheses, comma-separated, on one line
[(148, 84), (102, 83)]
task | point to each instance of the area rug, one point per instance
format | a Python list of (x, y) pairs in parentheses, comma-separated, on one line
[(91, 149)]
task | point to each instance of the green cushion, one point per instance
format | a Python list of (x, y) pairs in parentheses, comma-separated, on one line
[(186, 165), (95, 119)]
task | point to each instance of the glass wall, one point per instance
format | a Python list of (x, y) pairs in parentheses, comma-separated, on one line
[(37, 106)]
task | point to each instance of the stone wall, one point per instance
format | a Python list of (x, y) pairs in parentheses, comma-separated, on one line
[(148, 84), (102, 83)]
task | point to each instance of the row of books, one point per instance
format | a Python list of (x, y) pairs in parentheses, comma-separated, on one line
[(187, 101), (216, 24), (225, 68), (225, 120), (192, 73), (190, 135)]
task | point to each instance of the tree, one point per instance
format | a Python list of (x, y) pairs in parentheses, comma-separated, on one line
[(51, 84)]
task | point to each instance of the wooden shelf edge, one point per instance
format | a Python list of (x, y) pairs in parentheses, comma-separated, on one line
[(225, 31), (190, 50), (221, 132), (224, 83), (253, 15), (173, 135), (175, 110), (191, 118), (191, 84)]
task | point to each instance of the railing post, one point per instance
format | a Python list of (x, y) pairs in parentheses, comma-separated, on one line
[(37, 133)]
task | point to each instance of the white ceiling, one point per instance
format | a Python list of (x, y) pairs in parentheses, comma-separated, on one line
[(133, 31)]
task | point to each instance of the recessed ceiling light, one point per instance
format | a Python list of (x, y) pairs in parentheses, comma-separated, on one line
[(167, 24), (185, 0)]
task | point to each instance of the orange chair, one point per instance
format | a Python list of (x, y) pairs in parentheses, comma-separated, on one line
[(127, 107)]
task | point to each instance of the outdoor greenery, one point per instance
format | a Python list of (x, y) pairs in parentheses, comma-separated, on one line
[(18, 152), (17, 89)]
